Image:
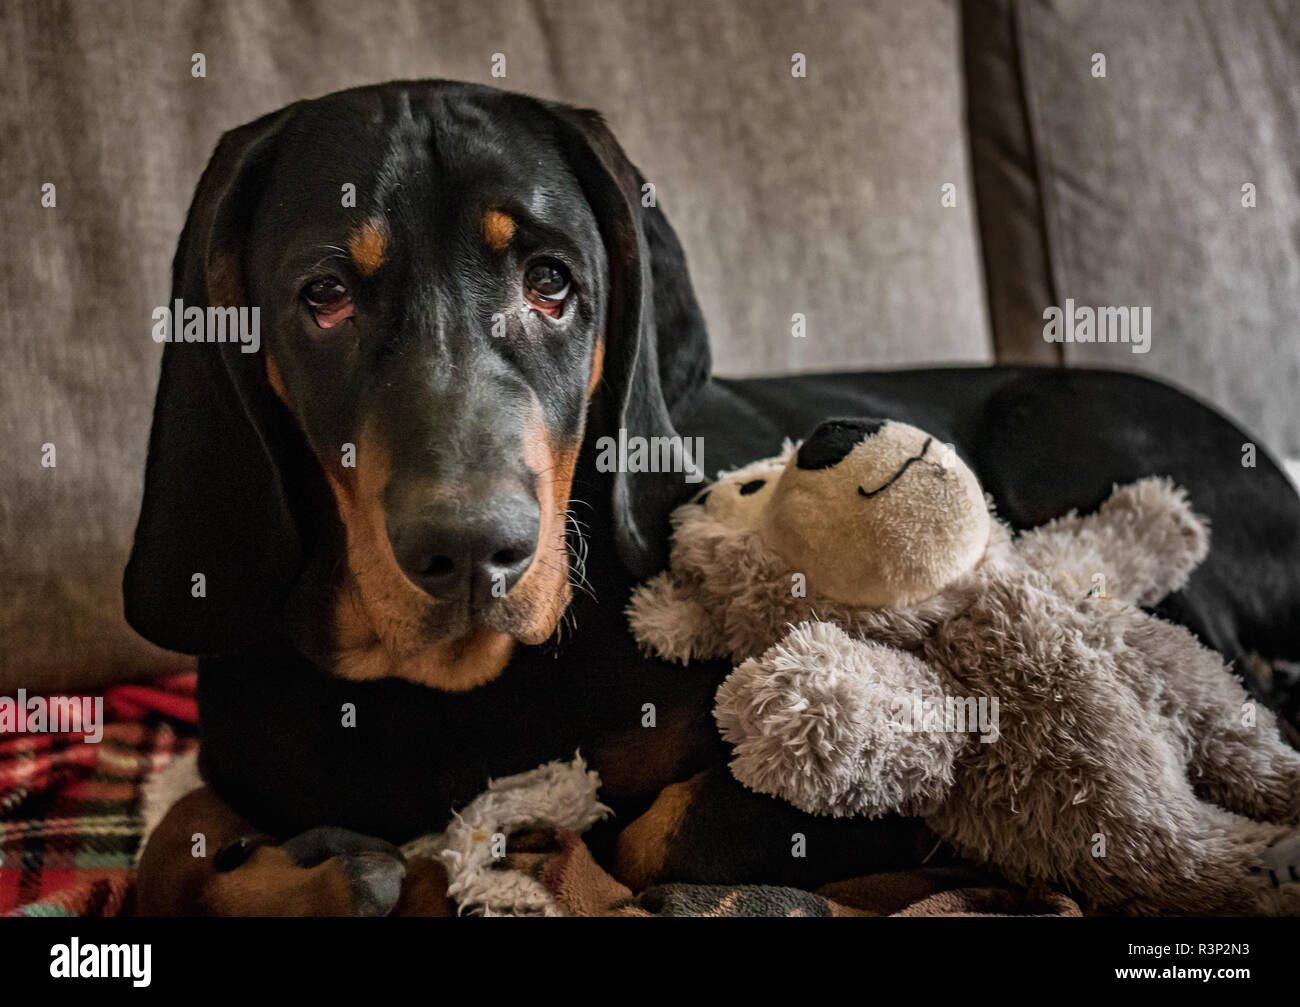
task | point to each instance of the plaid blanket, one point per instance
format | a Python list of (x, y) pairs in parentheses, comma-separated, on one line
[(70, 812)]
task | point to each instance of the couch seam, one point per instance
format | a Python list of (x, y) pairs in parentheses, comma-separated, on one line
[(1039, 160)]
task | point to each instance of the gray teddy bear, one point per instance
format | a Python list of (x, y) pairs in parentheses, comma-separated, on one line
[(900, 651)]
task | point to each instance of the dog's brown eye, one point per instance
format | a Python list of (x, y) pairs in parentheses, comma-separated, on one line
[(546, 284), (548, 279), (325, 292), (329, 299)]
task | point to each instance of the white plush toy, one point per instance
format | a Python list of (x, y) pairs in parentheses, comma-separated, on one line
[(557, 795)]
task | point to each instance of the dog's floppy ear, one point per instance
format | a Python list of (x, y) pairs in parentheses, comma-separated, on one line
[(215, 547), (656, 345)]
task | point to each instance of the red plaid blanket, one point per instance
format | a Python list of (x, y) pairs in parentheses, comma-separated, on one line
[(70, 812)]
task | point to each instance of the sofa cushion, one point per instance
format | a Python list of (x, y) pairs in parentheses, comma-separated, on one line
[(1127, 189)]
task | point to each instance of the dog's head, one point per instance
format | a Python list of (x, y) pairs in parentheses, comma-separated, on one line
[(456, 287)]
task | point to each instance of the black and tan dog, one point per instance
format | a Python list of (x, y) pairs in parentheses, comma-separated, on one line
[(413, 567)]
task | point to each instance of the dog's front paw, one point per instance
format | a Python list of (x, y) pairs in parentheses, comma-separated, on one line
[(373, 868), (322, 872)]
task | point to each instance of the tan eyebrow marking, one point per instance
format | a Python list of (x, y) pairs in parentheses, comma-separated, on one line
[(367, 245), (498, 229), (597, 366), (276, 379)]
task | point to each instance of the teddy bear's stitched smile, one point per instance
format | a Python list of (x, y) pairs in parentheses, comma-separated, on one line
[(899, 474)]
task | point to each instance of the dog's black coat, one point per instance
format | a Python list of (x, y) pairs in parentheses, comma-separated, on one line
[(253, 507)]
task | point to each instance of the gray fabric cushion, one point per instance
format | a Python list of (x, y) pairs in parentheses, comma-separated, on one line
[(816, 195), (1137, 178)]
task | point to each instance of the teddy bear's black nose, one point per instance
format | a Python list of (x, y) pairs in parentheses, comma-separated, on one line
[(832, 440)]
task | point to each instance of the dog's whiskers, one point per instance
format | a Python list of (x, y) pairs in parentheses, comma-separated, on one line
[(578, 553)]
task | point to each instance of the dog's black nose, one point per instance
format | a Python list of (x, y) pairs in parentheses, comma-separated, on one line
[(833, 440), (471, 551)]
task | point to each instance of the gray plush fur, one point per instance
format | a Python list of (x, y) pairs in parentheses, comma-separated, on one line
[(1118, 733), (811, 722)]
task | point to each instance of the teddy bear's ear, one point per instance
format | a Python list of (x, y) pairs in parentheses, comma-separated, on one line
[(669, 621)]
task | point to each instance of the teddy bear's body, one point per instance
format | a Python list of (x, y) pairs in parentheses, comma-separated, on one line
[(1115, 754), (1124, 764)]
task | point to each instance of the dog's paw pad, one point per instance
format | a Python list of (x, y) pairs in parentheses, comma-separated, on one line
[(375, 880), (373, 868)]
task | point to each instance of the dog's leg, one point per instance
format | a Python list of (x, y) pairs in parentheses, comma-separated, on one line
[(324, 872), (712, 830)]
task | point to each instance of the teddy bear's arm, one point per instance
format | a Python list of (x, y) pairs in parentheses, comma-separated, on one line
[(829, 723), (669, 621), (1141, 545)]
